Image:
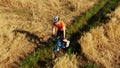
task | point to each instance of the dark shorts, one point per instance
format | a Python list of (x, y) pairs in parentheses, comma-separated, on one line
[(60, 34)]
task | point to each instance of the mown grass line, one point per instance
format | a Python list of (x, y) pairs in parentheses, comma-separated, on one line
[(74, 31), (93, 22), (83, 20), (90, 20), (42, 56), (39, 58)]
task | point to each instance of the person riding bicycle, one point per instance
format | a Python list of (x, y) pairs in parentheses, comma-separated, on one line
[(60, 26)]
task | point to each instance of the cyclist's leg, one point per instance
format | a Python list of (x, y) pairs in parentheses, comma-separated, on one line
[(58, 34), (62, 34)]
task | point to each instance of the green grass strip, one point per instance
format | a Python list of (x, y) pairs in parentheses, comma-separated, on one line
[(83, 20)]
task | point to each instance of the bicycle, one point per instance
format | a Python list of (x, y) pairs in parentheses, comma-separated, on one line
[(60, 47)]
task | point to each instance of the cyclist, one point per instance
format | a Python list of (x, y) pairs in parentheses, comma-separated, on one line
[(60, 26)]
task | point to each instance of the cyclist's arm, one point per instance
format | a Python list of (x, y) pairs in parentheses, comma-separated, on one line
[(64, 31), (64, 28), (53, 30)]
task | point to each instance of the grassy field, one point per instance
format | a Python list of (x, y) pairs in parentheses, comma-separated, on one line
[(66, 62), (26, 24), (101, 45), (91, 63), (36, 58), (26, 28)]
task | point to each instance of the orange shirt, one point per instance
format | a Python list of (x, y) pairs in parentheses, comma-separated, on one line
[(59, 25)]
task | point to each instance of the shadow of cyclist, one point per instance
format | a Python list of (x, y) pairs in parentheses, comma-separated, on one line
[(31, 37)]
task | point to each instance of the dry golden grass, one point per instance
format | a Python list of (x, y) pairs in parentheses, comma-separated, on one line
[(13, 48), (33, 16), (66, 62), (102, 45), (41, 12)]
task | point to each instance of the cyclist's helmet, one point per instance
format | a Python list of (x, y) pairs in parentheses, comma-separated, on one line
[(56, 19)]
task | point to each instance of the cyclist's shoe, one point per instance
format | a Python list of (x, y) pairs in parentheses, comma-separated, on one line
[(68, 43)]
